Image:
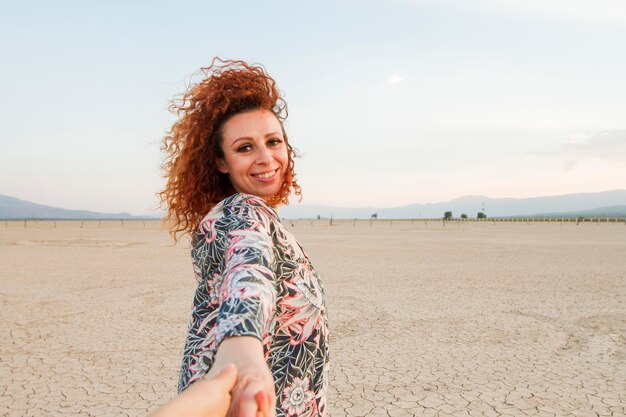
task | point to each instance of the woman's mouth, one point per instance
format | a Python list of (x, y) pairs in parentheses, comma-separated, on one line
[(266, 175)]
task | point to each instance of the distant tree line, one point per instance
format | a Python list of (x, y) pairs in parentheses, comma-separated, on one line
[(449, 216)]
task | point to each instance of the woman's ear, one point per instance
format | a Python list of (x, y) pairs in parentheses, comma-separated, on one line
[(222, 166)]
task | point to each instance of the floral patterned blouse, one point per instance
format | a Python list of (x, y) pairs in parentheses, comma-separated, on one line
[(254, 279)]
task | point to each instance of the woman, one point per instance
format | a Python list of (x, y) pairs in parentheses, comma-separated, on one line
[(259, 302)]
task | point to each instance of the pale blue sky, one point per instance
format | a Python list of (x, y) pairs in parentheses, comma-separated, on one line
[(390, 103)]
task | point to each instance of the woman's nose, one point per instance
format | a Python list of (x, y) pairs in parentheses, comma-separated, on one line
[(264, 156)]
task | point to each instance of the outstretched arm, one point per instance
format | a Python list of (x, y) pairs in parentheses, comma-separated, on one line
[(247, 305), (208, 397)]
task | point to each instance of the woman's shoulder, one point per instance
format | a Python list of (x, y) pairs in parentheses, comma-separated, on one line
[(248, 205), (240, 206)]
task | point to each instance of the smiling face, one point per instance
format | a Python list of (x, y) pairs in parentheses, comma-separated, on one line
[(255, 153)]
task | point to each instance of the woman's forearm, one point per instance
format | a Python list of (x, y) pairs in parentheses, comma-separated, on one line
[(242, 351)]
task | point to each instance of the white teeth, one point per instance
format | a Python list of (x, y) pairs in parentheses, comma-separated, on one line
[(265, 175)]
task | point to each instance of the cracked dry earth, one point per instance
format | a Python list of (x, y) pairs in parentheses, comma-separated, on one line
[(426, 320)]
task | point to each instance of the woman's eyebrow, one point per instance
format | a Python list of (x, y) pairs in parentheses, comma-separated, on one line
[(241, 138), (267, 135)]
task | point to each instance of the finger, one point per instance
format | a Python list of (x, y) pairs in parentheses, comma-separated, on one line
[(263, 403), (271, 400), (260, 399), (227, 376), (240, 386), (247, 409)]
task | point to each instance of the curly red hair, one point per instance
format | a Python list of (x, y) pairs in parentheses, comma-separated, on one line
[(193, 143)]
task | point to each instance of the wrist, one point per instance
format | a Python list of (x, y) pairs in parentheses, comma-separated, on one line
[(245, 352)]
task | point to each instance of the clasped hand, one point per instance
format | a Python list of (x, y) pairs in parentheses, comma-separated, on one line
[(225, 393)]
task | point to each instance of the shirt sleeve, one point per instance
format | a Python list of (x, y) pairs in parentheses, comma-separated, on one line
[(248, 293)]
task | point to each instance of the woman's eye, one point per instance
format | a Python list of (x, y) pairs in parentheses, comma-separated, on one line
[(244, 148), (274, 142)]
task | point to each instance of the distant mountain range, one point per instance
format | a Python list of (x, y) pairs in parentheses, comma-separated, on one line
[(14, 208), (606, 203), (601, 204), (613, 211)]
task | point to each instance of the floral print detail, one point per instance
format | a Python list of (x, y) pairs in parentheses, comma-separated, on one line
[(227, 326), (297, 397), (254, 279)]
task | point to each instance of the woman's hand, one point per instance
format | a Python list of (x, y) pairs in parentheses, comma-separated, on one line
[(254, 394), (208, 397)]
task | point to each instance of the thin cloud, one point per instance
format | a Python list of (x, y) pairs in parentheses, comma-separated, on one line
[(578, 139), (569, 165), (394, 79), (605, 145)]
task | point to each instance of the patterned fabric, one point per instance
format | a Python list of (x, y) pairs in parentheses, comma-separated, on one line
[(254, 279)]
